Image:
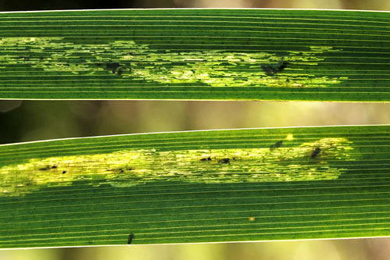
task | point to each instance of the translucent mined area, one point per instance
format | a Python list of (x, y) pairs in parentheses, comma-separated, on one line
[(311, 161), (132, 61)]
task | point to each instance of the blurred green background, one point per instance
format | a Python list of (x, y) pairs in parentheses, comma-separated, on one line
[(35, 120)]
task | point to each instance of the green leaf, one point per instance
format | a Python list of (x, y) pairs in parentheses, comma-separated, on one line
[(203, 54), (200, 186)]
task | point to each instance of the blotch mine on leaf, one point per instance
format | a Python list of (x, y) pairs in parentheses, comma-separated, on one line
[(138, 62), (126, 168)]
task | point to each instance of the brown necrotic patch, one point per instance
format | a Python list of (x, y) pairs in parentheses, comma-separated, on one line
[(133, 167)]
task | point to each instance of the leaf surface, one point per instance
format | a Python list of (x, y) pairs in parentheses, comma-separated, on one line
[(199, 186), (196, 54)]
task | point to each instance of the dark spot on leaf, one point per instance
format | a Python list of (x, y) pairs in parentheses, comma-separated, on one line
[(271, 70), (63, 172), (315, 152), (130, 238), (48, 167), (276, 145), (224, 160), (206, 159), (282, 65), (113, 66)]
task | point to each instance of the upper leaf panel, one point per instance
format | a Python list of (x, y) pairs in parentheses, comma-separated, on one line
[(203, 54)]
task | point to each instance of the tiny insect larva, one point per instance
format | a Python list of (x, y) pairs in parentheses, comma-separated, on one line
[(297, 85), (130, 238), (63, 172), (205, 159), (315, 152), (276, 145)]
